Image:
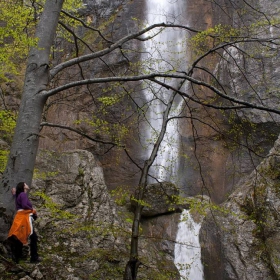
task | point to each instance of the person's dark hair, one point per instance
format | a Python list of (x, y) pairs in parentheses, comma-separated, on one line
[(19, 188)]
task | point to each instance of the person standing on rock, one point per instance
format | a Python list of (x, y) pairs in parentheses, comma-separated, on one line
[(22, 227)]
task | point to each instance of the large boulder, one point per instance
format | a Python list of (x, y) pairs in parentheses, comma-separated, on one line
[(159, 199), (78, 224)]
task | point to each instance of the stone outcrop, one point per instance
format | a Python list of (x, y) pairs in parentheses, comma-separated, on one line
[(242, 240), (160, 216), (83, 234)]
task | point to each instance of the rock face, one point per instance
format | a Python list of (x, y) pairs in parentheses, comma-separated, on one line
[(83, 234), (242, 240), (78, 220), (160, 216), (226, 164)]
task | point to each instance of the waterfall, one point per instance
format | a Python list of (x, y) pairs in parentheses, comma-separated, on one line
[(187, 248), (169, 45)]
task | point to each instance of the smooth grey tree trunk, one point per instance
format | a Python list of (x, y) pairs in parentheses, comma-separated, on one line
[(24, 147)]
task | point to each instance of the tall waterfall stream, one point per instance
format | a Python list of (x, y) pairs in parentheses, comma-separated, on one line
[(170, 44)]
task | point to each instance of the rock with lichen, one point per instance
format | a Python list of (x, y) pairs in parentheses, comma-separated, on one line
[(241, 241)]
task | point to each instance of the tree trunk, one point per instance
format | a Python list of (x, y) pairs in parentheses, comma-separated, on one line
[(133, 264), (25, 143)]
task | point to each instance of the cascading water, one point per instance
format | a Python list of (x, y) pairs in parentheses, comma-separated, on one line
[(187, 248), (169, 46)]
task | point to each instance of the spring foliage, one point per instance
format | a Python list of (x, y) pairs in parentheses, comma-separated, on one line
[(17, 27), (7, 126)]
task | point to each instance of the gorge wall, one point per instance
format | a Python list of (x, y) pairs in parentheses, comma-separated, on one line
[(242, 240), (239, 241), (224, 164)]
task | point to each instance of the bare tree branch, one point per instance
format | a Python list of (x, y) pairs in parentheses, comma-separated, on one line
[(152, 77), (78, 132), (86, 26), (112, 47)]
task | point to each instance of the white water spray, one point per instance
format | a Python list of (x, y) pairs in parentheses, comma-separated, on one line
[(170, 46), (187, 249)]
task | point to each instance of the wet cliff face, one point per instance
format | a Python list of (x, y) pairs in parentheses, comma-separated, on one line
[(206, 168), (240, 242), (120, 18), (118, 169), (220, 165)]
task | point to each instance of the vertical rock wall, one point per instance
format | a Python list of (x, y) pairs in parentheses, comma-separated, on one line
[(241, 240), (236, 244), (222, 166), (214, 162)]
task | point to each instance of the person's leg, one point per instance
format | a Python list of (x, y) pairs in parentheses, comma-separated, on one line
[(25, 252), (19, 246), (16, 248), (34, 257)]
